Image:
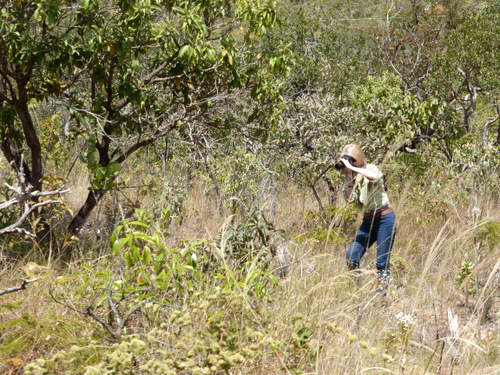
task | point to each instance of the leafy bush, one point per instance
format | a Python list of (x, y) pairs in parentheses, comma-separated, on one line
[(253, 239)]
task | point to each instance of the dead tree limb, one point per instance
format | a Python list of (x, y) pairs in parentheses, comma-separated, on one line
[(27, 196), (17, 288), (88, 311)]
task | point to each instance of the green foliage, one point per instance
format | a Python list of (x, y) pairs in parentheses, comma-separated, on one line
[(253, 239), (239, 192), (149, 263), (251, 105), (148, 272), (331, 43), (471, 48), (377, 89), (492, 7), (464, 274), (103, 175), (131, 73), (489, 232), (396, 117), (58, 152), (333, 226)]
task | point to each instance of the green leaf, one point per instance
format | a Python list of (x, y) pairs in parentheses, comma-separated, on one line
[(88, 268), (128, 259), (157, 266), (183, 50), (146, 256), (139, 223), (136, 253), (116, 247)]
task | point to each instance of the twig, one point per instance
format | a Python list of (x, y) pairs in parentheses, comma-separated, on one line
[(27, 210), (289, 264), (24, 196), (87, 312), (125, 296), (17, 288), (113, 305), (112, 302)]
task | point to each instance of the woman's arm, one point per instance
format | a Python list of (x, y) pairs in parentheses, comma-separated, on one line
[(369, 174)]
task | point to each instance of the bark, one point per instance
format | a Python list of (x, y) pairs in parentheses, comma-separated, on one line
[(23, 285), (497, 142), (491, 121), (318, 199), (332, 199), (82, 215)]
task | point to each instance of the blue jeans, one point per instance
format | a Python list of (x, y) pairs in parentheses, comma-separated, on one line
[(382, 230)]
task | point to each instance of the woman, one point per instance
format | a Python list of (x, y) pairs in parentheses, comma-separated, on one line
[(364, 186)]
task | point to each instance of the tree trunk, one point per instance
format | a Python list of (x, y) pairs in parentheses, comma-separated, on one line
[(497, 142), (95, 196), (13, 156), (80, 218), (318, 199), (33, 143), (332, 199)]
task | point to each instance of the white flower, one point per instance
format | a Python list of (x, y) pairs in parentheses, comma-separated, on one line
[(406, 321)]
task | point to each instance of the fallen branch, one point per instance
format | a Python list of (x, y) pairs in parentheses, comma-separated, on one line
[(289, 264), (17, 288)]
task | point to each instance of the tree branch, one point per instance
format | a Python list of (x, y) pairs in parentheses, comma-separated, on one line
[(88, 311), (17, 288)]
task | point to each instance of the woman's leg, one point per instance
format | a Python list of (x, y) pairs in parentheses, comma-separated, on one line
[(365, 237), (386, 230)]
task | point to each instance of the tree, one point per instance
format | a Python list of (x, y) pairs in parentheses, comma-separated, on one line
[(447, 55), (129, 72)]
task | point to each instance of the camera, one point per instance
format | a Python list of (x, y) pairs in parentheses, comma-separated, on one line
[(340, 164)]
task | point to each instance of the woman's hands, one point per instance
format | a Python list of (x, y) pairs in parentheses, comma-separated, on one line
[(348, 165), (346, 171)]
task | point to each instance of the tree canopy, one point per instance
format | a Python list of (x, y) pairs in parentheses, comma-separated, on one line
[(126, 73)]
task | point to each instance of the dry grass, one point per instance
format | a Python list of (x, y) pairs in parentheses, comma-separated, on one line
[(353, 329)]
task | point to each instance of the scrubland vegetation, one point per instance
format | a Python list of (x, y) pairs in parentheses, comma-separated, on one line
[(170, 205), (219, 303)]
